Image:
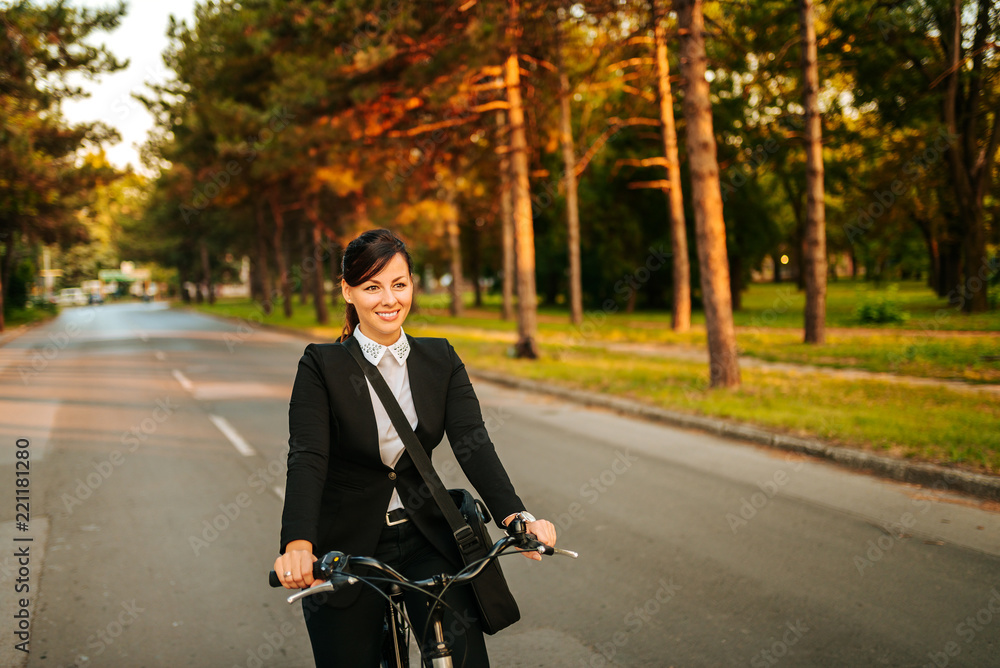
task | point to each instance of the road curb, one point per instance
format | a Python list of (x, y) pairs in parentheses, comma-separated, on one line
[(941, 477), (975, 484)]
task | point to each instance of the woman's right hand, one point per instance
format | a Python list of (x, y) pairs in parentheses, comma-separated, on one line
[(294, 567)]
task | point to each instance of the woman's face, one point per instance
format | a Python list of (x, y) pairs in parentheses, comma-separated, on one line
[(383, 301)]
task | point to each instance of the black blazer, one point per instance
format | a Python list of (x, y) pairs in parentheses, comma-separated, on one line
[(338, 488)]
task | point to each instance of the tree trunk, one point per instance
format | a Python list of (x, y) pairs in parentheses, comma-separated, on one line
[(279, 256), (457, 307), (476, 266), (507, 228), (312, 267), (335, 272), (927, 229), (970, 174), (680, 319), (814, 239), (305, 252), (569, 180), (263, 265), (527, 324), (707, 199), (736, 281), (206, 273), (8, 260), (182, 279)]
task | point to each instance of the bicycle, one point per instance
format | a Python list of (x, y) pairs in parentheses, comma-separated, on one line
[(335, 569)]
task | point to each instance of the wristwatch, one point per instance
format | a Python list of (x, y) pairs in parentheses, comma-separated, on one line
[(525, 516)]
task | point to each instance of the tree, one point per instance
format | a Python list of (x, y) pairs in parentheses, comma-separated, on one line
[(569, 181), (40, 184), (706, 197), (681, 309), (814, 237), (527, 325), (928, 66)]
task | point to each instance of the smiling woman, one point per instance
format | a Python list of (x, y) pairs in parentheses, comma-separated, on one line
[(352, 486)]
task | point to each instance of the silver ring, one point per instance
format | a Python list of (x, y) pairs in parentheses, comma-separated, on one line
[(288, 574)]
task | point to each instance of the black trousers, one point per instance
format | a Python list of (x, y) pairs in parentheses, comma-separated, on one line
[(351, 637)]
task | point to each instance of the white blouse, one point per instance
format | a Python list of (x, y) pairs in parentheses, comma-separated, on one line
[(393, 369)]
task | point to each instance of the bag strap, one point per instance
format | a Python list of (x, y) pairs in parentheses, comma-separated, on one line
[(464, 535)]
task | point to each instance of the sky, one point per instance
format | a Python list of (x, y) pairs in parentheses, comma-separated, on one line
[(140, 38)]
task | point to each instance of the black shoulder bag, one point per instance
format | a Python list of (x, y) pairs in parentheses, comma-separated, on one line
[(465, 515)]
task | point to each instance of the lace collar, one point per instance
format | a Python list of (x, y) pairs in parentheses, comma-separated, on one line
[(374, 351)]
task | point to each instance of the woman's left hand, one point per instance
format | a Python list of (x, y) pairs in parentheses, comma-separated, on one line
[(545, 532)]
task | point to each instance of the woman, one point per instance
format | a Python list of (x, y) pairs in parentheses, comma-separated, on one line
[(352, 487)]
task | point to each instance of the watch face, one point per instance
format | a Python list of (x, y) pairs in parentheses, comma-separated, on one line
[(527, 517)]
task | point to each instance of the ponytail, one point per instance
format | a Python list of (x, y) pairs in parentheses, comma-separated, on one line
[(351, 321)]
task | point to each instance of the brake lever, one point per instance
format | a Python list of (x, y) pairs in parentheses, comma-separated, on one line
[(328, 586)]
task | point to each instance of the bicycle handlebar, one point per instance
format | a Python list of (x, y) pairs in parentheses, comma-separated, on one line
[(333, 566)]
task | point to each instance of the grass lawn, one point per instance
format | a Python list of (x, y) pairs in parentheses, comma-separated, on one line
[(929, 424), (23, 316)]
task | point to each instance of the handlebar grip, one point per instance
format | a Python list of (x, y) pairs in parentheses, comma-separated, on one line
[(272, 577)]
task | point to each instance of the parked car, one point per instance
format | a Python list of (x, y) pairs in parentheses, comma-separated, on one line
[(72, 297)]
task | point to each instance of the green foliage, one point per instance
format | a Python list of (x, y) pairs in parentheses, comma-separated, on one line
[(21, 280), (880, 308), (44, 176)]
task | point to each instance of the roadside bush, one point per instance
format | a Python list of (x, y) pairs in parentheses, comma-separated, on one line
[(881, 308)]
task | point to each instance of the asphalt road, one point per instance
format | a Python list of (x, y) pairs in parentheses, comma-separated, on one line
[(156, 440)]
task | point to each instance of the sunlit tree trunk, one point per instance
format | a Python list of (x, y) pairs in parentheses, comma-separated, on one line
[(707, 199), (814, 237), (527, 325), (681, 314), (569, 180), (507, 229)]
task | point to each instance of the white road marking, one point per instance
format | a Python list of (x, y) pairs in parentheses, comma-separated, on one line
[(234, 437), (182, 379)]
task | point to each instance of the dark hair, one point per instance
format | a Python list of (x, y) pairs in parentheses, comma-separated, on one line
[(365, 256)]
